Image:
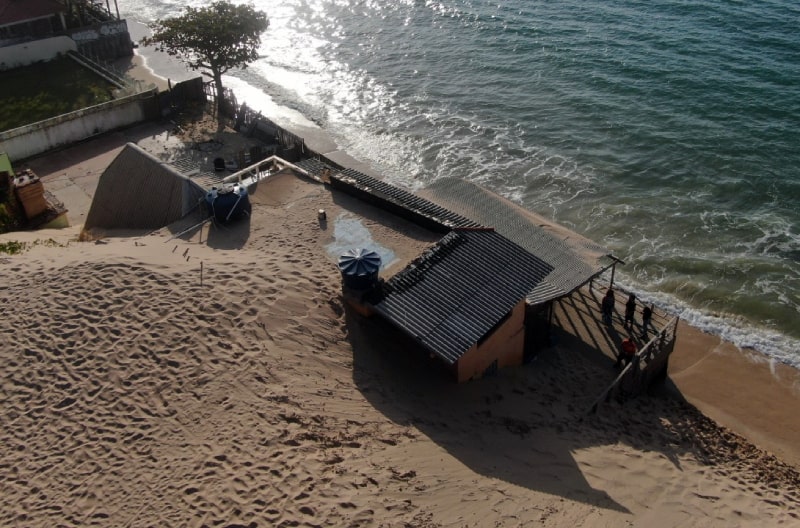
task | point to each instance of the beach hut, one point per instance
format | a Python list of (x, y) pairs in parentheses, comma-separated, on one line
[(575, 260), (464, 301)]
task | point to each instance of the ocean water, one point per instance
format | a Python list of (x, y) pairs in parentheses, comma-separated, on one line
[(668, 131)]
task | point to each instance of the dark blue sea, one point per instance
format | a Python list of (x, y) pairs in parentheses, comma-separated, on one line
[(668, 131)]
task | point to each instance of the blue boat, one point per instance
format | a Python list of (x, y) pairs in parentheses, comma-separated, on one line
[(228, 203)]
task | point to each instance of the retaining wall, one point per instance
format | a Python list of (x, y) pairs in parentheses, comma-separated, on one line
[(30, 140), (104, 41), (27, 53)]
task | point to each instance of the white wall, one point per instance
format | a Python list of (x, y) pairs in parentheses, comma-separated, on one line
[(35, 51), (99, 31), (30, 140)]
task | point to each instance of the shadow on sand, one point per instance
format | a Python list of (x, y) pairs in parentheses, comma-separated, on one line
[(488, 425), (525, 424), (216, 235), (233, 235)]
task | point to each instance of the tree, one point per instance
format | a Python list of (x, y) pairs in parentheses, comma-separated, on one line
[(218, 37)]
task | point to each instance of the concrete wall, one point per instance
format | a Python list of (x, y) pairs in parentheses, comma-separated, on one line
[(139, 191), (106, 40), (27, 141), (27, 53), (97, 31), (506, 345)]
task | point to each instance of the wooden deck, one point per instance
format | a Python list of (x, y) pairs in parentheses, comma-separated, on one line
[(579, 316)]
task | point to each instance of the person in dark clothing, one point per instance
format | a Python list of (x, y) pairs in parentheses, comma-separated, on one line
[(647, 316), (630, 310), (607, 306)]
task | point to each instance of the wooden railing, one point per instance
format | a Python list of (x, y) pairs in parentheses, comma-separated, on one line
[(648, 365)]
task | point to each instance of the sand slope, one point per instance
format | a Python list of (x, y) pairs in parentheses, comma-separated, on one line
[(132, 395)]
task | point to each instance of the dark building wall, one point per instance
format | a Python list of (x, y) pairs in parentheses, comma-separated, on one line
[(104, 41)]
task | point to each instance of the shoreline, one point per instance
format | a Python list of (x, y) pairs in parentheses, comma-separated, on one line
[(746, 392), (218, 378), (770, 342), (742, 390)]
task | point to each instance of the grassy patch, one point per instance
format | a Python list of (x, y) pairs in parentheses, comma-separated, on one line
[(12, 247), (8, 220), (45, 90)]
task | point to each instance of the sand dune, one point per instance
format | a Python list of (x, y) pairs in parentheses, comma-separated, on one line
[(134, 395)]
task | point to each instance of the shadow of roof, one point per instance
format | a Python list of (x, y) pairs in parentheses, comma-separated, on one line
[(525, 424)]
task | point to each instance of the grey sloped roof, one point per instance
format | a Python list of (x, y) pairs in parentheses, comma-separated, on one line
[(403, 198), (457, 291), (574, 260), (138, 191)]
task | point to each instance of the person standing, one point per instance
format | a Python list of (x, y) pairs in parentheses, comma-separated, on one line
[(647, 316), (630, 310), (607, 306)]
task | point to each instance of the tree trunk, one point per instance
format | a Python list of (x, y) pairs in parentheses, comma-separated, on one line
[(220, 94)]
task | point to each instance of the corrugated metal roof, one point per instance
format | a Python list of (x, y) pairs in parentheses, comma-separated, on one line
[(315, 167), (137, 191), (405, 199), (573, 259), (197, 171), (453, 294)]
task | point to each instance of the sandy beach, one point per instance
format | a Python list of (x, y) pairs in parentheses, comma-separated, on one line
[(135, 395), (137, 391)]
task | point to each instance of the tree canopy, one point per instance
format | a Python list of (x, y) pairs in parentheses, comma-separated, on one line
[(218, 37)]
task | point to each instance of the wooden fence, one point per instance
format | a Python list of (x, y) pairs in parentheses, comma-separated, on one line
[(287, 145), (277, 139), (648, 366)]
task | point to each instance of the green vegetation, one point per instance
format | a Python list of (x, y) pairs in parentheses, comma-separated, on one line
[(12, 247), (9, 211), (45, 90), (8, 221), (217, 38)]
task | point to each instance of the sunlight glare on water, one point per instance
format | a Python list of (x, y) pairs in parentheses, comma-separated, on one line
[(665, 131)]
